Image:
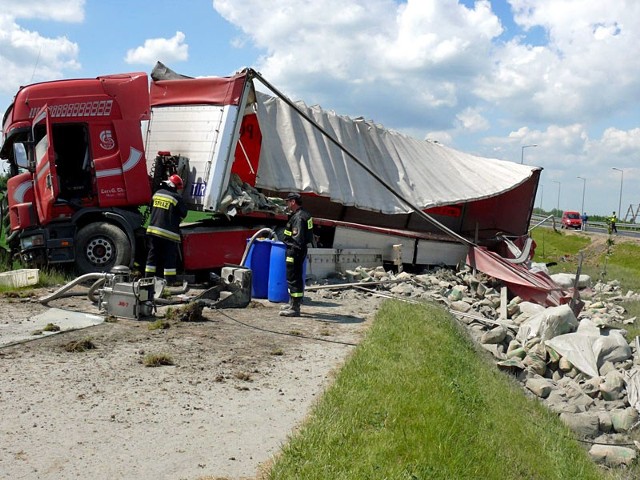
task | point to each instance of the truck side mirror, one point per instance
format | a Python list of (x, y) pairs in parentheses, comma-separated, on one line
[(20, 155)]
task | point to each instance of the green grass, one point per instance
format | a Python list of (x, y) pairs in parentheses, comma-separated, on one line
[(194, 216), (157, 360), (552, 246), (618, 259), (623, 264), (417, 401)]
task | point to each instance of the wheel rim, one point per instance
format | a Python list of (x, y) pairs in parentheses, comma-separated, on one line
[(99, 251)]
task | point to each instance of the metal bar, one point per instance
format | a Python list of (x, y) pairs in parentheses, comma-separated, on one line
[(349, 285)]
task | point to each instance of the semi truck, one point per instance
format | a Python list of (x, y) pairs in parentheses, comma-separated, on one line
[(85, 155)]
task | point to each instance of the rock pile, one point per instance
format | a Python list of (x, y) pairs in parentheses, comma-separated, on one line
[(581, 367)]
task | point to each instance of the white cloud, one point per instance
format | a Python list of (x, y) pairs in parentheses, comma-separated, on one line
[(167, 50), (439, 137), (472, 120), (586, 70), (27, 56), (56, 10), (375, 52), (559, 139), (624, 145), (442, 57)]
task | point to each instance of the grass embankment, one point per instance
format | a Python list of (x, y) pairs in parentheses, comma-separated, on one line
[(605, 257), (417, 401)]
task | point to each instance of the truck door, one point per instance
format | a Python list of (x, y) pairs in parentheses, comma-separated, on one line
[(46, 178)]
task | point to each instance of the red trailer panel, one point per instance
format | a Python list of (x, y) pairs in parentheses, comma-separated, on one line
[(213, 247)]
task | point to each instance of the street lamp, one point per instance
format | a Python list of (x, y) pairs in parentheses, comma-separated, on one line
[(584, 184), (558, 204), (541, 194), (621, 180), (522, 151)]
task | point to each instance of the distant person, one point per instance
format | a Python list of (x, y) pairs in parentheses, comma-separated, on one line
[(167, 211), (612, 223), (585, 218)]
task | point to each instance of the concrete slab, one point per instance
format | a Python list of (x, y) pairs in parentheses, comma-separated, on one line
[(14, 332)]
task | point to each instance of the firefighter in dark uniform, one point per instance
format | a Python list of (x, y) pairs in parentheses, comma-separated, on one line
[(298, 233), (167, 211)]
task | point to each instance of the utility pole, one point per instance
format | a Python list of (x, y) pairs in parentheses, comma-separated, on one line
[(584, 184), (558, 204), (621, 180), (522, 151)]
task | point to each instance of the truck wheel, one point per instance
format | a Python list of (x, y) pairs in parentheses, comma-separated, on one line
[(100, 247)]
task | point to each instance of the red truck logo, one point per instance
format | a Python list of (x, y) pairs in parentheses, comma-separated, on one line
[(106, 140)]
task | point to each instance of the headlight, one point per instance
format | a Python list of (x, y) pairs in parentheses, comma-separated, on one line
[(32, 241)]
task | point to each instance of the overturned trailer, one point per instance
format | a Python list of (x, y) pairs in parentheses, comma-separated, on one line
[(367, 186)]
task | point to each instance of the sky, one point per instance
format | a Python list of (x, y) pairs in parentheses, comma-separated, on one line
[(550, 83)]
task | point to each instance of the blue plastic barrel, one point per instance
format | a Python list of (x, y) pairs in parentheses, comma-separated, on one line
[(278, 291), (258, 260), (278, 288)]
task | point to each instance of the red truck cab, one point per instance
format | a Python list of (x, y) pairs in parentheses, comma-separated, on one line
[(77, 170)]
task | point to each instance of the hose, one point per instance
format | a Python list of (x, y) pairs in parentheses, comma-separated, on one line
[(58, 293), (167, 301), (179, 290), (94, 288), (272, 236)]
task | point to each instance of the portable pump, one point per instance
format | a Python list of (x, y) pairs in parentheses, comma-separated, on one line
[(122, 298)]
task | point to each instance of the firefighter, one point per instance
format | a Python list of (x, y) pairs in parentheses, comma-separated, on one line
[(298, 233), (167, 211)]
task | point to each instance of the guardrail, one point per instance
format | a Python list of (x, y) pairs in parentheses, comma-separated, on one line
[(537, 220), (540, 220)]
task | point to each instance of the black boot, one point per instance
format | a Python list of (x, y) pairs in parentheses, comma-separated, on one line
[(294, 311)]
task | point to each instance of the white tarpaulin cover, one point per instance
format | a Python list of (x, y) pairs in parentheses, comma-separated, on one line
[(588, 349), (548, 323), (297, 156)]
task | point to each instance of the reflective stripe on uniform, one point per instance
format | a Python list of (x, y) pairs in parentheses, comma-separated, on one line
[(296, 294), (150, 269), (310, 224), (289, 259), (287, 233), (161, 232)]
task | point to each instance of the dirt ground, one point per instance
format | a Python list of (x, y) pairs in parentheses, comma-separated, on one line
[(241, 382)]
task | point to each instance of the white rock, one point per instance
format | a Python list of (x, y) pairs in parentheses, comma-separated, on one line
[(612, 455)]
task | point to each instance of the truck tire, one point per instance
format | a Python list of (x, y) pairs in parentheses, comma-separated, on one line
[(101, 246)]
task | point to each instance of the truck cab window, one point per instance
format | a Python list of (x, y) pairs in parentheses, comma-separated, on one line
[(73, 160), (41, 142)]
